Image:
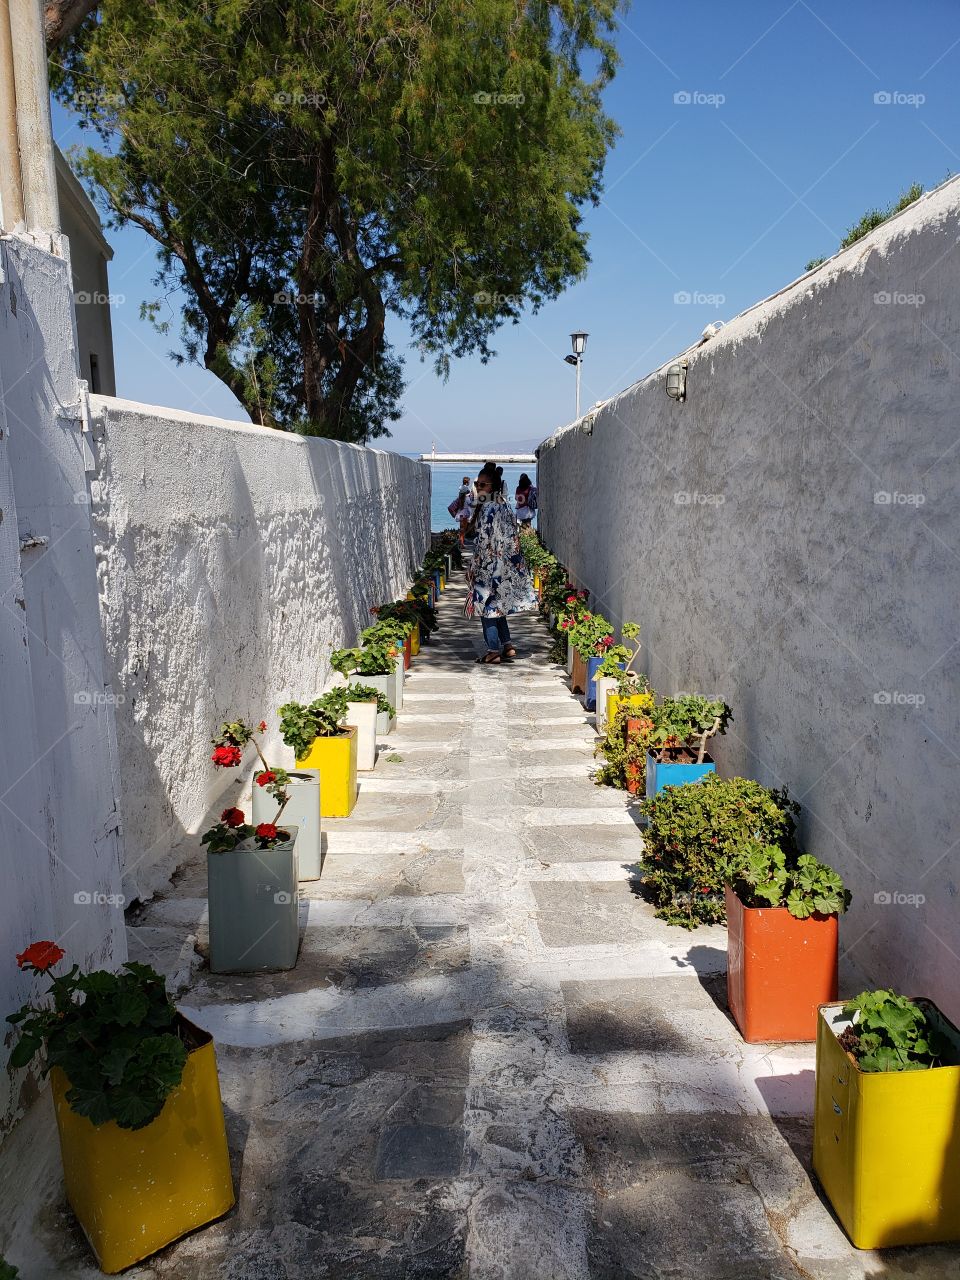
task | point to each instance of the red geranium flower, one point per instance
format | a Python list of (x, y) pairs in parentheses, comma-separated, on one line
[(263, 726), (571, 599), (226, 757), (267, 830), (41, 955), (232, 817), (265, 778)]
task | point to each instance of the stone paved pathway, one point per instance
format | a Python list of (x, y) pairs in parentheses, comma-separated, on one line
[(491, 1060)]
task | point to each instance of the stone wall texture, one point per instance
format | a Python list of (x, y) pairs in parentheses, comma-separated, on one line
[(232, 560), (789, 537), (59, 815)]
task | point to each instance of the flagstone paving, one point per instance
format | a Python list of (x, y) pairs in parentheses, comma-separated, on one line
[(491, 1060)]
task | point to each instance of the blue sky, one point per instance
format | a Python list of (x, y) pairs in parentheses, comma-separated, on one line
[(724, 197)]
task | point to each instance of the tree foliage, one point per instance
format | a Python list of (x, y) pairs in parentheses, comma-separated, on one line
[(307, 170)]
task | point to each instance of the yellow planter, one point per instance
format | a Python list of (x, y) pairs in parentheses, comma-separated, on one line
[(136, 1190), (415, 641), (336, 758), (886, 1145), (642, 700), (443, 581)]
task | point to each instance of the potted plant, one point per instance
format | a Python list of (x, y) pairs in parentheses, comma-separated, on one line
[(390, 632), (298, 794), (275, 791), (886, 1129), (624, 749), (616, 670), (137, 1103), (682, 726), (319, 739), (783, 908), (252, 894), (693, 829), (365, 706), (591, 637), (374, 663)]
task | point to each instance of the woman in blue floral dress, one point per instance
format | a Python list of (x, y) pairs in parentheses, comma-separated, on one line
[(497, 581)]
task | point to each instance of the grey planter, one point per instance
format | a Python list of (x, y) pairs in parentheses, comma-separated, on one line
[(303, 811), (384, 684), (253, 907), (398, 679)]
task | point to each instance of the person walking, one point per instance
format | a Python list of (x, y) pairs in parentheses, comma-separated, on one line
[(498, 583), (526, 500)]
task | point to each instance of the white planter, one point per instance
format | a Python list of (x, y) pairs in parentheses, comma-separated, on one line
[(385, 684), (303, 811), (569, 658), (364, 716), (398, 679), (605, 684)]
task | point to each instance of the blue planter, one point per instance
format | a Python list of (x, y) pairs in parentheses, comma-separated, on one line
[(590, 696), (661, 773), (436, 580)]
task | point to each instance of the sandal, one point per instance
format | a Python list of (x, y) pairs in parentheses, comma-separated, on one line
[(489, 659), (509, 652)]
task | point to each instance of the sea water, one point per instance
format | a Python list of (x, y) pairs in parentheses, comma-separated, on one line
[(448, 476)]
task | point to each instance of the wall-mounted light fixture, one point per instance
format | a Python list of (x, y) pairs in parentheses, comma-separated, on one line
[(676, 386)]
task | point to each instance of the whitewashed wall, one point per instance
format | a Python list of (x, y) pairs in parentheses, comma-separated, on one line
[(233, 558), (789, 537), (59, 847)]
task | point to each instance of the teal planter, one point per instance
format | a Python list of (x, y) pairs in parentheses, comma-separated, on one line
[(253, 907)]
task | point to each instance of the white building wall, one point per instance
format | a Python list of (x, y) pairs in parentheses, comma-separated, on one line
[(233, 559), (59, 843), (743, 530)]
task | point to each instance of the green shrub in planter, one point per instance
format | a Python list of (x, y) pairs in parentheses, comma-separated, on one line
[(693, 830)]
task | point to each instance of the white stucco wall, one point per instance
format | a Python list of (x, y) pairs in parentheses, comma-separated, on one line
[(59, 843), (743, 530), (233, 558)]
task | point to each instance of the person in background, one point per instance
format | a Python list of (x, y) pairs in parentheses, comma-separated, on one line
[(498, 583), (461, 507), (526, 500)]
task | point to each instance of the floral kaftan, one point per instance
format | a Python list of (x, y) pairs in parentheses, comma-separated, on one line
[(498, 580)]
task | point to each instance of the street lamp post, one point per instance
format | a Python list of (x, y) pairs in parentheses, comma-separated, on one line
[(578, 341)]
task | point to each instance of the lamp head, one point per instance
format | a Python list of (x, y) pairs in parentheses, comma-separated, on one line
[(579, 342)]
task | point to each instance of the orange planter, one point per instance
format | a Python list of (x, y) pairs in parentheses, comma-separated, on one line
[(635, 779), (779, 969), (578, 677), (638, 725)]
